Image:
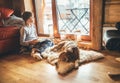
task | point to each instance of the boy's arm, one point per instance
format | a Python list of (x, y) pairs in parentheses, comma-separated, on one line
[(33, 42), (22, 37)]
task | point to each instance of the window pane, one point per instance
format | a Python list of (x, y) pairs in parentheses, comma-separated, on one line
[(48, 23), (73, 16)]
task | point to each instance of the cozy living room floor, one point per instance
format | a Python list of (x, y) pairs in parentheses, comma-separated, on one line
[(16, 68)]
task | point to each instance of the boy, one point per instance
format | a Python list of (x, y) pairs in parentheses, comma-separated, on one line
[(28, 35), (29, 38)]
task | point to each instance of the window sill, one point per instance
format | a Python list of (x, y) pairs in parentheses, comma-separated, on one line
[(81, 44), (85, 44)]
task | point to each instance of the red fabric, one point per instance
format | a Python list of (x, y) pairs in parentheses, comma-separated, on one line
[(9, 45), (0, 15), (6, 12), (1, 23), (9, 32), (9, 36), (9, 39)]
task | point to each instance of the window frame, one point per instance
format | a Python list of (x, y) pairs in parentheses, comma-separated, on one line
[(55, 21), (39, 19)]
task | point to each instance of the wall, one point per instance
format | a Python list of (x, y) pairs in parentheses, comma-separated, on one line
[(18, 6), (112, 12), (29, 5), (4, 4), (23, 5)]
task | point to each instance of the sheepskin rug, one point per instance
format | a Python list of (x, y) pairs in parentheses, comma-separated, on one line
[(85, 56), (52, 54), (65, 67), (89, 55)]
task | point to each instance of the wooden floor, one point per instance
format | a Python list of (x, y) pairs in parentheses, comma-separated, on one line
[(16, 68)]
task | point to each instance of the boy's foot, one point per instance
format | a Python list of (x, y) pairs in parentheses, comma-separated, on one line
[(36, 56), (117, 59), (24, 51)]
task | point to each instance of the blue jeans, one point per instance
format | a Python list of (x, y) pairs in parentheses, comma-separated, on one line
[(40, 46)]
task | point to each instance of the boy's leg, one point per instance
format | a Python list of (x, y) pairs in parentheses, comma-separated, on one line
[(36, 54), (24, 50)]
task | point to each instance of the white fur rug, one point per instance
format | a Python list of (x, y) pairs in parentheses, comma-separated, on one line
[(85, 56), (89, 55)]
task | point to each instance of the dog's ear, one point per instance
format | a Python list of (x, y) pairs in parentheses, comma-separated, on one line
[(56, 64), (74, 55), (63, 57), (76, 52)]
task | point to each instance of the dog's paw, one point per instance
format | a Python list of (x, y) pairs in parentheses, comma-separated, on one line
[(36, 56), (77, 64), (64, 67)]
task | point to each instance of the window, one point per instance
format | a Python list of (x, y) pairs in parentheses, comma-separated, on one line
[(48, 22), (44, 16), (72, 16)]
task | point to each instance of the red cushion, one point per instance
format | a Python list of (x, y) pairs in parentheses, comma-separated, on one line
[(6, 12), (1, 23), (9, 32), (0, 15)]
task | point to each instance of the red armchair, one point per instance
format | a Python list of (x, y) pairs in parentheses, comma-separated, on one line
[(9, 35), (9, 39)]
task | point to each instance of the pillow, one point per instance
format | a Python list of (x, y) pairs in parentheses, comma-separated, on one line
[(6, 12), (117, 25), (14, 21)]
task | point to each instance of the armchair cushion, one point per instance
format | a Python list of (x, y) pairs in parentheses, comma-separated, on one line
[(9, 32), (9, 39)]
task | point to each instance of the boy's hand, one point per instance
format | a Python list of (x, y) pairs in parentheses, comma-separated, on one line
[(33, 42)]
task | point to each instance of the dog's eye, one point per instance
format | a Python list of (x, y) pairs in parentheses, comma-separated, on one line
[(56, 64), (66, 59)]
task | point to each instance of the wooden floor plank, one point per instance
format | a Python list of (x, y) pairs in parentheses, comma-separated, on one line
[(16, 68)]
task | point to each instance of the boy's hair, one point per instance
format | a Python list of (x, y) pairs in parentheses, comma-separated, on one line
[(117, 25), (26, 15)]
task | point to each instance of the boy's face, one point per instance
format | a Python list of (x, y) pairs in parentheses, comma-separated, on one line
[(30, 20)]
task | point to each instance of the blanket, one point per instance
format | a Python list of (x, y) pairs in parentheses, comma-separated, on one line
[(14, 21), (85, 55), (52, 54)]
